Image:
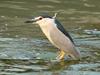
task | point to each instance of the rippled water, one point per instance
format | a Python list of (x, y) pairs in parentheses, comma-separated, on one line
[(24, 50)]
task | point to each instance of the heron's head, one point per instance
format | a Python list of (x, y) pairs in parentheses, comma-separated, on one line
[(42, 20)]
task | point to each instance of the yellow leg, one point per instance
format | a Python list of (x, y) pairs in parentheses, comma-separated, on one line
[(61, 55)]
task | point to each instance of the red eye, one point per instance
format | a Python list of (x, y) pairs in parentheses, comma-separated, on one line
[(40, 18)]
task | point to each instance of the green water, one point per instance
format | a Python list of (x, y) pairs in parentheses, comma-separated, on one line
[(24, 50)]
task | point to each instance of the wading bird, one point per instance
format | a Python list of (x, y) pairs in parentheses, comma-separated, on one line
[(57, 35)]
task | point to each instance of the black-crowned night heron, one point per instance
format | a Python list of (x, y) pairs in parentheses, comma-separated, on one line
[(57, 35)]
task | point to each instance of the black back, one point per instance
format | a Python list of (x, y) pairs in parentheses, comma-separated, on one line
[(45, 16), (61, 28)]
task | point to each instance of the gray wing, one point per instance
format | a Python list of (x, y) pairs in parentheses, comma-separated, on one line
[(61, 28)]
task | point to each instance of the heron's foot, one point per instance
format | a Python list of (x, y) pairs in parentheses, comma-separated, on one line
[(61, 55)]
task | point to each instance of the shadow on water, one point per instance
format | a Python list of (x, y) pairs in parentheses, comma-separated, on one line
[(36, 65), (43, 67)]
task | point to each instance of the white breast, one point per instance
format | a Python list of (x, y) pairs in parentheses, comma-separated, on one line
[(47, 25)]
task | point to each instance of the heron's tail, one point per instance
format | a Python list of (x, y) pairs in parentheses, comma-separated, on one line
[(76, 55)]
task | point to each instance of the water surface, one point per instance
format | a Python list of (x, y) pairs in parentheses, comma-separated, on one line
[(24, 50)]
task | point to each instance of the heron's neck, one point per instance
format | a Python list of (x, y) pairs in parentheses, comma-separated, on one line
[(47, 27)]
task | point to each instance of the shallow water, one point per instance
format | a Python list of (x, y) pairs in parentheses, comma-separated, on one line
[(24, 50)]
